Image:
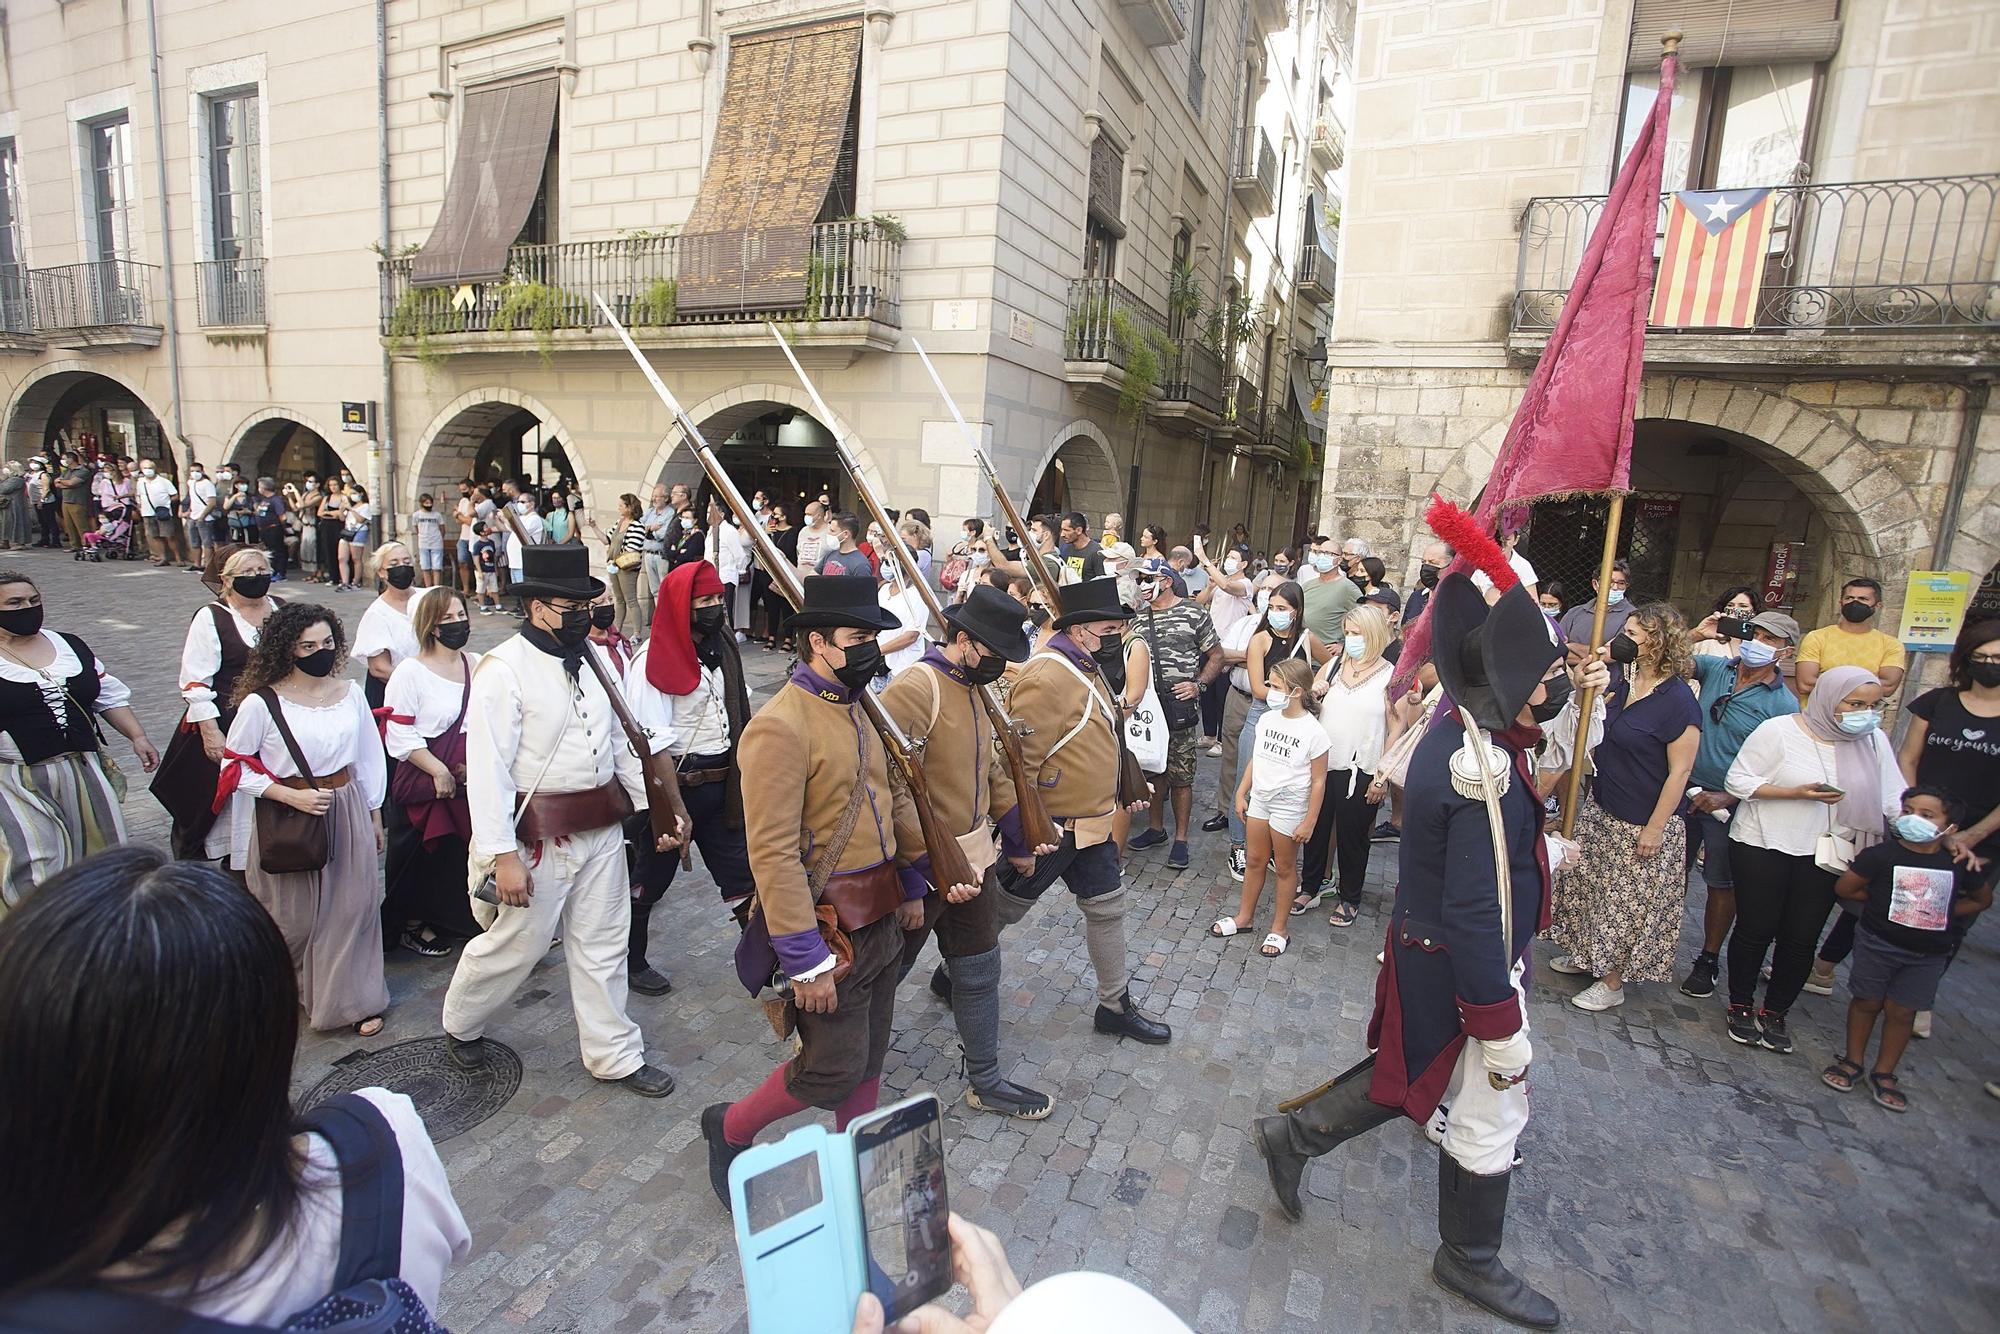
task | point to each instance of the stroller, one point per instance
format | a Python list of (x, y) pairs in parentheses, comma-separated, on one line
[(114, 536)]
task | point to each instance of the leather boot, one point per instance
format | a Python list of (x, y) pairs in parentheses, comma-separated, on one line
[(941, 984), (975, 1007), (1126, 1022), (1472, 1216), (642, 977), (1288, 1142)]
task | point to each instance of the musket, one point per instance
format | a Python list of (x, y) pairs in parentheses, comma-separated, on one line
[(1036, 826), (948, 864), (664, 807), (1132, 784)]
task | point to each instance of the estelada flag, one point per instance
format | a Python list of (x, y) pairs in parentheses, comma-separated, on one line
[(1712, 263)]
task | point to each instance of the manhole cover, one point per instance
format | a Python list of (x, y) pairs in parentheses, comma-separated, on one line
[(451, 1101)]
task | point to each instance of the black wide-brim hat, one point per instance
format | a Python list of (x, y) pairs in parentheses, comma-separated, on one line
[(1490, 658), (834, 600), (1091, 600), (995, 620), (562, 570)]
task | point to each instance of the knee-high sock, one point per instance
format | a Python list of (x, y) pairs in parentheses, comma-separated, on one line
[(975, 1006), (1104, 937), (769, 1103), (858, 1103)]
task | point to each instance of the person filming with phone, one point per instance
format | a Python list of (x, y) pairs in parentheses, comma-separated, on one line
[(1737, 692)]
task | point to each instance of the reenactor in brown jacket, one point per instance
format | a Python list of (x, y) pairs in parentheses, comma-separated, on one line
[(935, 701), (1073, 745)]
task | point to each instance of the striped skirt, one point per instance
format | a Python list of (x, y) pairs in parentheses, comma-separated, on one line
[(53, 815)]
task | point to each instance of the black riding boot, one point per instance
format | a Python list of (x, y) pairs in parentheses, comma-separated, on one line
[(1472, 1216), (642, 977), (1328, 1121)]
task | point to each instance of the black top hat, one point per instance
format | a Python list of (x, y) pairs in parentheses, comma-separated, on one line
[(1091, 600), (994, 619), (557, 570), (1490, 659), (834, 600)]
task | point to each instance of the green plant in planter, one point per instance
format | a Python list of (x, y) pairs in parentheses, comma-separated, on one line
[(1230, 325), (658, 304), (539, 307), (420, 314), (889, 226), (1186, 297), (1145, 353), (1302, 451)]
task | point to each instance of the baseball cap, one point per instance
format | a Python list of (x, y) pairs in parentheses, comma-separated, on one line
[(1777, 623), (1386, 597), (1153, 565)]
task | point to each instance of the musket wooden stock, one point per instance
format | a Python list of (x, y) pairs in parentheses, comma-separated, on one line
[(664, 807)]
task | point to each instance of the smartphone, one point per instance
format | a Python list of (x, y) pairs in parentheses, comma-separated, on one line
[(1829, 787), (899, 1151), (1732, 627), (796, 1214)]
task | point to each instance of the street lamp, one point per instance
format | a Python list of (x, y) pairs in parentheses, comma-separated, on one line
[(1314, 358)]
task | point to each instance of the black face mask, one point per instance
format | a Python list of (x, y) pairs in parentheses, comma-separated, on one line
[(1854, 613), (251, 585), (317, 663), (401, 576), (454, 634), (1624, 650), (1039, 615), (604, 617), (575, 627), (708, 620), (987, 670), (1360, 581), (22, 620), (1558, 692), (864, 663), (1986, 674), (1427, 575)]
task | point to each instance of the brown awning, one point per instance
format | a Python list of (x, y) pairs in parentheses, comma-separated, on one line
[(1734, 32), (784, 108), (503, 146), (1107, 184)]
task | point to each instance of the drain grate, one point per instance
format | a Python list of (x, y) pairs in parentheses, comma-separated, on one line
[(451, 1101)]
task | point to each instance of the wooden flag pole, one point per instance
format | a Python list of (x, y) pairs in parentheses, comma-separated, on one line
[(1579, 758)]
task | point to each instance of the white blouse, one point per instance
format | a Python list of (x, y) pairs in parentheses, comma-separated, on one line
[(383, 629), (431, 701), (201, 659), (1356, 720), (337, 736), (112, 693), (297, 1270), (1782, 753)]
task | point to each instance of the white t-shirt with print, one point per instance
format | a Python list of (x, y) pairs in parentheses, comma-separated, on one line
[(1281, 760)]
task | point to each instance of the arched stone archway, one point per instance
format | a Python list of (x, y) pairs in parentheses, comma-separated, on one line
[(43, 390), (722, 415), (299, 443), (454, 437), (1089, 469)]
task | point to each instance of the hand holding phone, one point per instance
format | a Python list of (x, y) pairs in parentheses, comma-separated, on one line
[(1732, 627)]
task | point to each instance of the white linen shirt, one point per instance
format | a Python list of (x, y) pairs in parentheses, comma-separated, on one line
[(1782, 753), (430, 701), (908, 607), (201, 659), (112, 693), (383, 629), (529, 721), (339, 736), (696, 723)]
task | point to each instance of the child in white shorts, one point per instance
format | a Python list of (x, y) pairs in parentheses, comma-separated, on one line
[(1278, 798)]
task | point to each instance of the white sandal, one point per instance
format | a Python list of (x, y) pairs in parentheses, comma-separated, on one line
[(1274, 945), (1224, 928)]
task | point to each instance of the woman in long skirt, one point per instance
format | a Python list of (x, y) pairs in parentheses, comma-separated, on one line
[(330, 916), (431, 826)]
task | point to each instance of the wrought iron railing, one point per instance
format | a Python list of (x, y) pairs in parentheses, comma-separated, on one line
[(1316, 266), (1256, 162), (1282, 425), (1242, 405), (854, 272), (229, 292), (1330, 138), (1193, 375), (15, 317), (1922, 253), (1105, 322), (93, 296)]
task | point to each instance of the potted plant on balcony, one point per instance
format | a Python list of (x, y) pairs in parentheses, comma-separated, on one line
[(657, 305), (419, 315), (535, 305)]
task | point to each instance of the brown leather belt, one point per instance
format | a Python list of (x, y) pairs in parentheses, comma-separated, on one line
[(550, 815), (332, 782), (702, 777), (862, 898)]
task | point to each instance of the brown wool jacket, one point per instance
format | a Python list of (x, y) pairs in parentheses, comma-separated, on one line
[(1081, 778), (963, 766), (799, 757)]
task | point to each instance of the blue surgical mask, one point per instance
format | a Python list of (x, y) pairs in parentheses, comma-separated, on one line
[(1861, 722), (1617, 596), (1755, 654), (1354, 646), (1323, 562), (1916, 828), (1280, 619)]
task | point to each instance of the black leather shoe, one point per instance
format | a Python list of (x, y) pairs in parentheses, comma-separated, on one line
[(941, 984), (648, 1081), (466, 1054), (650, 981), (1127, 1022), (1005, 1099), (1214, 824), (1287, 1169), (1472, 1217), (721, 1153)]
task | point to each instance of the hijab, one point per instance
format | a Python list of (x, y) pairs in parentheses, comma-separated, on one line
[(1857, 767)]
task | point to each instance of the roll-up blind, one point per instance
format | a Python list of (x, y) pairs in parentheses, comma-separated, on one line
[(1734, 32), (1107, 182), (503, 146)]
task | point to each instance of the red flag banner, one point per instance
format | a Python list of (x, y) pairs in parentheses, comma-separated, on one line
[(1712, 261)]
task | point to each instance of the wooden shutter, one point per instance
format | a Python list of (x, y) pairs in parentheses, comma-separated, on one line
[(503, 145), (1734, 32), (1107, 182)]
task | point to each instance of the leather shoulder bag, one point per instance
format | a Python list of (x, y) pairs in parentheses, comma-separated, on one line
[(289, 840)]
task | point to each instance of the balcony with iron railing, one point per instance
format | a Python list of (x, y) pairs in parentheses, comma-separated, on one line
[(107, 303), (852, 298), (1316, 265), (1253, 171), (1191, 386), (229, 293), (1861, 276), (1157, 22), (17, 324), (1329, 142), (1242, 409)]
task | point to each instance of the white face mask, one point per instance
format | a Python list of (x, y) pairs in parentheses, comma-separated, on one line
[(1232, 564), (1276, 698)]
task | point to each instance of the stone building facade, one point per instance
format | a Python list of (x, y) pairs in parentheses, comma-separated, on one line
[(1852, 426)]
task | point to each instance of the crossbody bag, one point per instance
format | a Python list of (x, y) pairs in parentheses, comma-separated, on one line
[(289, 840)]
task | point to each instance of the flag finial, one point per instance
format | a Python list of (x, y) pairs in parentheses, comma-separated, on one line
[(1670, 42)]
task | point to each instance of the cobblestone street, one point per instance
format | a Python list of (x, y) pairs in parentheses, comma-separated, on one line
[(1673, 1180)]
